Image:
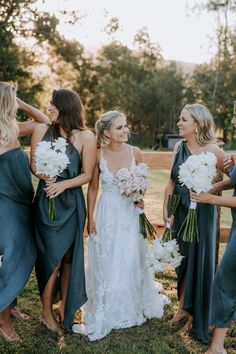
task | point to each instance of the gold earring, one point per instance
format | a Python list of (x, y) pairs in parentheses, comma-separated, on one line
[(196, 130)]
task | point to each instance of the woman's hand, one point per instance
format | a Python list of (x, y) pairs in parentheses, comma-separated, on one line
[(91, 227), (140, 204), (200, 198), (54, 189), (217, 188), (20, 103), (228, 163), (166, 219), (49, 180)]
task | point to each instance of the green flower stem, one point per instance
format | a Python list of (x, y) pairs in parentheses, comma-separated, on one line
[(189, 230), (146, 228), (51, 209)]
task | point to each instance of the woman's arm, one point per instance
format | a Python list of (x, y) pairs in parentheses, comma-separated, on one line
[(220, 155), (168, 191), (224, 201), (27, 128), (88, 156), (37, 136), (138, 156), (221, 186), (91, 198)]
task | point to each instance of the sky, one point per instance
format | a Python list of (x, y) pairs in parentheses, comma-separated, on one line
[(182, 33)]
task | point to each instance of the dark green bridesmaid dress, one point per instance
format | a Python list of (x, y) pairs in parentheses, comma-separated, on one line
[(223, 308), (197, 267), (17, 246), (54, 238)]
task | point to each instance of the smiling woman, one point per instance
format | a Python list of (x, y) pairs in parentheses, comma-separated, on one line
[(121, 290), (60, 241), (195, 274)]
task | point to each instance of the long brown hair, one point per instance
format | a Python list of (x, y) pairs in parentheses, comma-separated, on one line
[(71, 114)]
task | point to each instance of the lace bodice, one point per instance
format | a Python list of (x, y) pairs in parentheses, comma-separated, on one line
[(108, 179)]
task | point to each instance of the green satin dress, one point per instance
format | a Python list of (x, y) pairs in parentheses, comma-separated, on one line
[(223, 308), (17, 246), (54, 238), (197, 266)]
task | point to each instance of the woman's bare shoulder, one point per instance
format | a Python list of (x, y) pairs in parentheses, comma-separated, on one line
[(83, 133)]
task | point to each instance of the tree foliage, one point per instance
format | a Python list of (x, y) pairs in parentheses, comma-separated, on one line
[(150, 91)]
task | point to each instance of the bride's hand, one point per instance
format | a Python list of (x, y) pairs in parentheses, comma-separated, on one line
[(140, 204), (91, 228)]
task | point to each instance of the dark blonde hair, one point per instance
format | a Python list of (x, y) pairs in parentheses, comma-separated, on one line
[(206, 125), (105, 122), (8, 125)]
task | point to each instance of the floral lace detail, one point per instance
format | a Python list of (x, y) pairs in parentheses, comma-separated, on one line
[(121, 290)]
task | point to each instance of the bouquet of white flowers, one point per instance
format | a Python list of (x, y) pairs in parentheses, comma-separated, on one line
[(162, 255), (196, 173), (51, 160), (133, 184)]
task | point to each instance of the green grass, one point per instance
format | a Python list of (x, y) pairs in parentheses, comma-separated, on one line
[(154, 337)]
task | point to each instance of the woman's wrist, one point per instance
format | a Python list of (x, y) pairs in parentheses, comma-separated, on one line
[(90, 217)]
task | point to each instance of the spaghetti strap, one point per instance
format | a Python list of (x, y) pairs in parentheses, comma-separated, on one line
[(101, 152), (132, 152), (133, 162)]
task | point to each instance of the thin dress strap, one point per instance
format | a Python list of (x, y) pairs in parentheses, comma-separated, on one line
[(133, 162)]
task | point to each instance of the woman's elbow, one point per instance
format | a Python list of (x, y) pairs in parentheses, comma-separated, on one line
[(87, 177)]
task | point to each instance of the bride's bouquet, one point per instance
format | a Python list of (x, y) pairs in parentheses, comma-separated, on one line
[(133, 184), (196, 173), (51, 160), (162, 255)]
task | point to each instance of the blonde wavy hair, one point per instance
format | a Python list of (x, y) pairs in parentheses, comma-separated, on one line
[(8, 125), (205, 133), (105, 122)]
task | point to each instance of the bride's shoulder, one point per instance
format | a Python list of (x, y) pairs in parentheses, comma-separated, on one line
[(137, 153)]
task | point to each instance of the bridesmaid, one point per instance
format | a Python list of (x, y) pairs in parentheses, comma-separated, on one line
[(17, 248), (60, 262), (195, 274), (223, 309)]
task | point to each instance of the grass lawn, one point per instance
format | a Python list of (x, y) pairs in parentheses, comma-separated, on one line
[(153, 337)]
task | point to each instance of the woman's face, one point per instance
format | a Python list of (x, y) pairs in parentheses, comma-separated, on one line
[(119, 131), (233, 120), (186, 124), (53, 112)]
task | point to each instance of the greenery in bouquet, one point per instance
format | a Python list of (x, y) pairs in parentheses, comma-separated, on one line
[(173, 202)]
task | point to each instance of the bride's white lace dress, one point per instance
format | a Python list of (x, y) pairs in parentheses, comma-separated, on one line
[(121, 290)]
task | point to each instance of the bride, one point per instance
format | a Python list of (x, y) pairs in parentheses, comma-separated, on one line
[(121, 290)]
